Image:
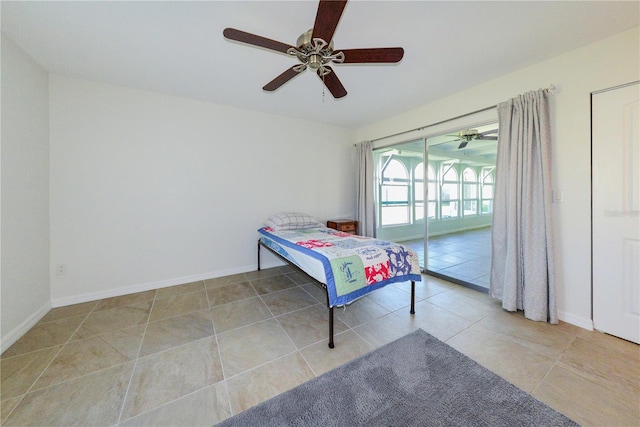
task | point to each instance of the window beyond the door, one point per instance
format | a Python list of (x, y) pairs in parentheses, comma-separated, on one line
[(394, 197), (457, 190)]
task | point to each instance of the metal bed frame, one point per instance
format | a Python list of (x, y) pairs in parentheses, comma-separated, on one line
[(324, 287)]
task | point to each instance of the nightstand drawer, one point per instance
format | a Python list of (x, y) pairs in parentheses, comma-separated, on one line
[(347, 227), (344, 225)]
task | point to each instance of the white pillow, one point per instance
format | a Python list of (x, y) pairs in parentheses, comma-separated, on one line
[(291, 221)]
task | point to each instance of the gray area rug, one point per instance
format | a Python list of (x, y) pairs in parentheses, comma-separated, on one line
[(416, 380)]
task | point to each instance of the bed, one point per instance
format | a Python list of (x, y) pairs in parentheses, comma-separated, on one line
[(346, 266)]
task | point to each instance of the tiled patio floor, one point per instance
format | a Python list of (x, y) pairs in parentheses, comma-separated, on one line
[(464, 255)]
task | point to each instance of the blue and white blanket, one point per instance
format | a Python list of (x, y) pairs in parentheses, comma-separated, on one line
[(350, 265)]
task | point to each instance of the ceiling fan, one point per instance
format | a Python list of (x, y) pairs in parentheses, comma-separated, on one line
[(466, 136), (315, 50)]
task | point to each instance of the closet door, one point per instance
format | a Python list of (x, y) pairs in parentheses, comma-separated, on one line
[(616, 211)]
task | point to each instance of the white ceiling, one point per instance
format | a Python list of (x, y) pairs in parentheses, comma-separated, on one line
[(177, 47)]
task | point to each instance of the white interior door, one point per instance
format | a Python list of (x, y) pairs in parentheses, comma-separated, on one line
[(616, 211)]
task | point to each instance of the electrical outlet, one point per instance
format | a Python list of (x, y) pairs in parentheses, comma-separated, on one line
[(61, 269)]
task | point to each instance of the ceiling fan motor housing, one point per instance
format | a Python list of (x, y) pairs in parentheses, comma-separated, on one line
[(305, 42), (315, 52)]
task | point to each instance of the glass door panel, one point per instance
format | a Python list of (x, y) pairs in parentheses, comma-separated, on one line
[(400, 197), (460, 173)]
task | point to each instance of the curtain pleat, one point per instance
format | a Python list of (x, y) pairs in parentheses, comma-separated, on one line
[(365, 204), (522, 268)]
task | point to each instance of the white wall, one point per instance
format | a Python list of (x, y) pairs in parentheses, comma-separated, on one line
[(604, 64), (24, 177), (150, 190)]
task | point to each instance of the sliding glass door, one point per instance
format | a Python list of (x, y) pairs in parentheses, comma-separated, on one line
[(436, 196)]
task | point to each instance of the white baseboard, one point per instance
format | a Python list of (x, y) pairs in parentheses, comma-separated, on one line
[(459, 230), (442, 233), (21, 329), (132, 289), (412, 237), (581, 322)]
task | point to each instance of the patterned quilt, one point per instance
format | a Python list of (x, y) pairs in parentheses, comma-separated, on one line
[(353, 265)]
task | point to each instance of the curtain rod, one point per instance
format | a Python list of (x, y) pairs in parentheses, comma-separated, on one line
[(435, 124), (551, 90)]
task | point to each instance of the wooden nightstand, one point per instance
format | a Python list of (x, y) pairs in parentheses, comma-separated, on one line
[(345, 225)]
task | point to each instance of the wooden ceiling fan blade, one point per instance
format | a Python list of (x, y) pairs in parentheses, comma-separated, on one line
[(373, 55), (282, 79), (463, 144), (332, 82), (252, 39), (327, 17)]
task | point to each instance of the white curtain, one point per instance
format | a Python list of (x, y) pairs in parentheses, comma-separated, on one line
[(365, 204), (522, 267)]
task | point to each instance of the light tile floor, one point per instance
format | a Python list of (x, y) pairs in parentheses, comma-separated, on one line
[(197, 353), (464, 255)]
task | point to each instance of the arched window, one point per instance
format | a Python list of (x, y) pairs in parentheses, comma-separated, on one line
[(449, 194), (394, 197), (469, 192), (468, 175), (449, 172), (432, 192), (487, 190), (418, 191)]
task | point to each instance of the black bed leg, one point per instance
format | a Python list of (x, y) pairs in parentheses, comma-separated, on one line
[(258, 255), (331, 327), (413, 297)]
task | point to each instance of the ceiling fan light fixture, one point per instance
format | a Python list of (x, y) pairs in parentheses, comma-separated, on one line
[(315, 61)]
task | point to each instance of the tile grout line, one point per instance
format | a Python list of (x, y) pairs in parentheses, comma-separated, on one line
[(363, 339), (273, 317), (99, 370), (264, 364), (553, 365), (215, 335), (463, 329), (172, 348), (135, 363), (62, 346)]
